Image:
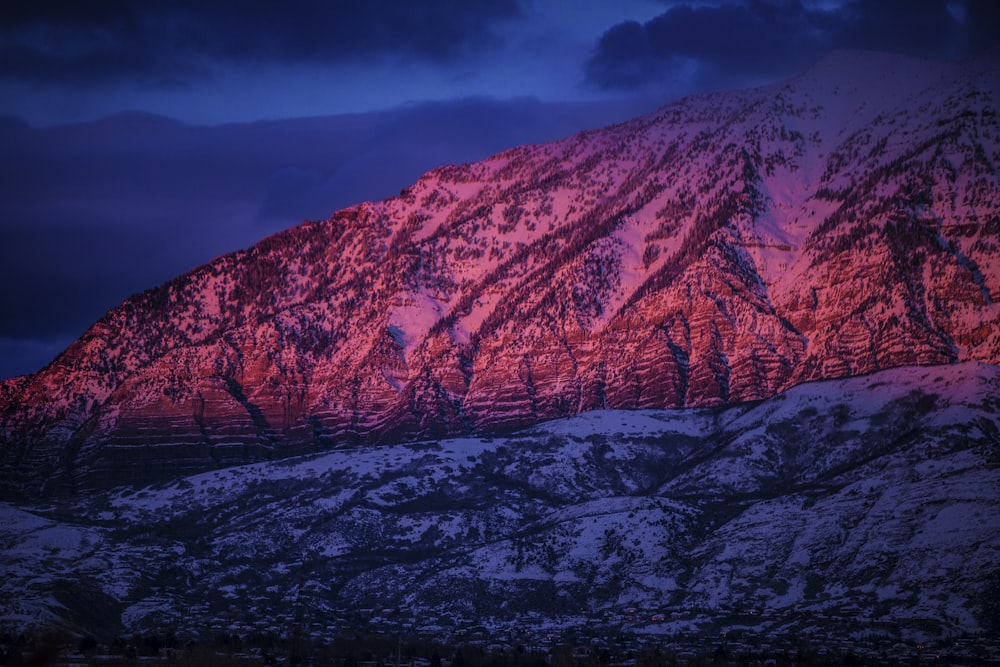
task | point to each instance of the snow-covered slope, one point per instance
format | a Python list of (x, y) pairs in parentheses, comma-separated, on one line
[(718, 250), (863, 506)]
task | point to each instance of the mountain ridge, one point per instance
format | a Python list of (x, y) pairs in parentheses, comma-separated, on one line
[(717, 250)]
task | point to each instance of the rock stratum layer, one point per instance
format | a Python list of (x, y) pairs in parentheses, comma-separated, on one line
[(718, 250)]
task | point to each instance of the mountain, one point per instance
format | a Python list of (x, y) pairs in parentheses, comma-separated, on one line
[(719, 250), (846, 509)]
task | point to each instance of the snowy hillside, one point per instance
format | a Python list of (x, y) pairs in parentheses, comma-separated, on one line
[(864, 504)]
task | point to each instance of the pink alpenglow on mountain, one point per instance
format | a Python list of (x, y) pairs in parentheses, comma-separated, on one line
[(718, 250)]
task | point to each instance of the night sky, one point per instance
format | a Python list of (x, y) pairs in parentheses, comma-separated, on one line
[(139, 139)]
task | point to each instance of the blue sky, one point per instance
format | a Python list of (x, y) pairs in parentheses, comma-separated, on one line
[(139, 139)]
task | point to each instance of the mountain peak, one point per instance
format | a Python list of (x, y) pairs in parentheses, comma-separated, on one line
[(719, 250)]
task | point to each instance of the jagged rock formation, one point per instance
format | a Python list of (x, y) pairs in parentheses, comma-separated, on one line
[(718, 250)]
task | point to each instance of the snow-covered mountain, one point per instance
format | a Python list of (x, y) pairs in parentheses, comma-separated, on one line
[(844, 508), (719, 250)]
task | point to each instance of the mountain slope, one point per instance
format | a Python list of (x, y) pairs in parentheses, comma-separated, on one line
[(718, 250), (851, 508)]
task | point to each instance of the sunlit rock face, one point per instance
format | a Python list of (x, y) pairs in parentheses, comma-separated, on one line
[(718, 250)]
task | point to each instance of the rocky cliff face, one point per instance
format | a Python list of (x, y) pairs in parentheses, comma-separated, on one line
[(718, 250)]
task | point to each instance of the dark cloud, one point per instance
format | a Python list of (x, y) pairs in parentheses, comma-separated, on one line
[(739, 43), (161, 42), (93, 212)]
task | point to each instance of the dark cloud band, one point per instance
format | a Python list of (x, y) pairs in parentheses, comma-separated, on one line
[(161, 40), (736, 42)]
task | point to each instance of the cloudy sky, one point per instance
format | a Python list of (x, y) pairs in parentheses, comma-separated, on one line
[(140, 138)]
